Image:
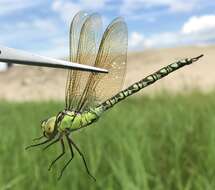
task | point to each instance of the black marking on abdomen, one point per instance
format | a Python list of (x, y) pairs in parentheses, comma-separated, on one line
[(147, 81)]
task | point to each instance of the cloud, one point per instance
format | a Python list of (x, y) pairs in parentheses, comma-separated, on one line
[(96, 5), (36, 35), (46, 32), (152, 9), (199, 24), (67, 9), (138, 41), (58, 47), (10, 6), (131, 6), (183, 5), (199, 29), (196, 30), (33, 29), (46, 35)]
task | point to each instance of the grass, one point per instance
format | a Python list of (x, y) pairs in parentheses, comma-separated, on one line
[(163, 142)]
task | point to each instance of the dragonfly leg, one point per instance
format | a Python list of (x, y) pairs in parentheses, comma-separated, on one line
[(38, 138), (72, 156), (53, 142), (34, 145), (82, 156), (63, 152)]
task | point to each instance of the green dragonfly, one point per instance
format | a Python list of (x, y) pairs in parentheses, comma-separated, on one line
[(88, 95)]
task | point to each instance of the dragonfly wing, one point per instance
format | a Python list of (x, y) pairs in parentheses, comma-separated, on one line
[(112, 55), (85, 34), (75, 30)]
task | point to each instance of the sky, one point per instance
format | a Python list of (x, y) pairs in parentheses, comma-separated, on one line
[(42, 26)]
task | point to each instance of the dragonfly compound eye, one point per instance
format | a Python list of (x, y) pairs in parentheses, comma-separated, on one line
[(48, 126)]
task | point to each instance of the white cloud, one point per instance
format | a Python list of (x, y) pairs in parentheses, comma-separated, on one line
[(143, 8), (199, 24), (24, 29), (177, 5), (37, 35), (49, 35), (136, 40), (196, 30), (184, 5), (10, 6), (164, 39), (67, 9), (94, 5), (43, 35), (59, 47)]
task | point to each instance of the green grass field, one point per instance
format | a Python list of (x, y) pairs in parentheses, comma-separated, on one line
[(163, 142)]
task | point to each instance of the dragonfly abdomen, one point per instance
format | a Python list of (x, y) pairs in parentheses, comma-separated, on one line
[(146, 82)]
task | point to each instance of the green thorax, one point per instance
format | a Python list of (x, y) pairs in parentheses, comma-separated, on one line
[(73, 120)]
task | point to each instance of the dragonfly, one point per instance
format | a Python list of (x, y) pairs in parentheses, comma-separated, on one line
[(89, 95)]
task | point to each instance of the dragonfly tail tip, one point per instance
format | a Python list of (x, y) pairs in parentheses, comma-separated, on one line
[(196, 58)]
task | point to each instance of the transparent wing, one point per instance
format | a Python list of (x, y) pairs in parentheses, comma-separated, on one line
[(112, 55), (75, 30), (85, 35)]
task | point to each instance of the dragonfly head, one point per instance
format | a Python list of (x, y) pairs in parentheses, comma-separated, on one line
[(48, 127)]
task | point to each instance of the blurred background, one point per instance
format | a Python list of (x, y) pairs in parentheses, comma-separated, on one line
[(162, 138)]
